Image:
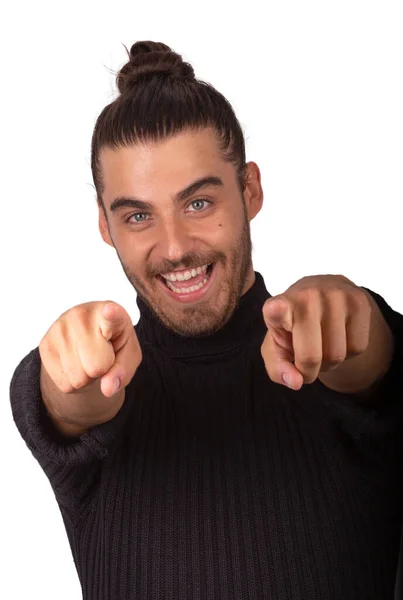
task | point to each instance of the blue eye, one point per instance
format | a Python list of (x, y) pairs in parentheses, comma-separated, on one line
[(132, 220), (136, 215), (202, 202)]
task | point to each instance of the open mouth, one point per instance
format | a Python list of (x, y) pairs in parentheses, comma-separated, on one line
[(191, 288)]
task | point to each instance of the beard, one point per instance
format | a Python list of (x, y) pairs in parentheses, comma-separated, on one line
[(206, 316)]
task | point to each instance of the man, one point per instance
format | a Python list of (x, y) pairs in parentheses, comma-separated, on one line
[(232, 444)]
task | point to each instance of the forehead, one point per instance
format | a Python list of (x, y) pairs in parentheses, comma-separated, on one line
[(171, 163)]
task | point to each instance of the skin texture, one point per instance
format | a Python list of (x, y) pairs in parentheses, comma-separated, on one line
[(179, 236), (327, 328)]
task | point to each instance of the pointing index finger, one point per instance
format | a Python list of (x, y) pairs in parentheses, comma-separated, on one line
[(277, 313), (109, 309), (113, 320)]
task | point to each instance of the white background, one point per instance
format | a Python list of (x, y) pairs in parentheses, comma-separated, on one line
[(318, 89)]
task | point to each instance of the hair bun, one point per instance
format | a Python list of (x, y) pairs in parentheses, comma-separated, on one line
[(149, 59)]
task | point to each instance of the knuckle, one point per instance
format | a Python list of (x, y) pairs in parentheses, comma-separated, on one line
[(59, 332), (96, 370), (77, 313), (309, 295), (65, 387), (361, 300), (335, 294), (99, 362), (310, 360), (336, 359), (356, 348), (74, 311), (77, 382), (83, 313)]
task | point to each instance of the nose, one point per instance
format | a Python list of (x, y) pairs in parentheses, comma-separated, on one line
[(174, 240)]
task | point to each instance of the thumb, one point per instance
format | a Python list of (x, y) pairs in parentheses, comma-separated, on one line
[(279, 361), (127, 361), (277, 349)]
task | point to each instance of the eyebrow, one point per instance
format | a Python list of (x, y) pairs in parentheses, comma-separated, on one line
[(129, 201)]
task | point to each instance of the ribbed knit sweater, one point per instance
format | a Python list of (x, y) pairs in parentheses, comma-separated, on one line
[(215, 483)]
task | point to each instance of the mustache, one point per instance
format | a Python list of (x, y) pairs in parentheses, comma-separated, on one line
[(187, 262)]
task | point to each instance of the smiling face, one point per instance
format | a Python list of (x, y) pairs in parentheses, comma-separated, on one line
[(173, 207)]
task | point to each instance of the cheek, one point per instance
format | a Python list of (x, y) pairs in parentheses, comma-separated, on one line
[(132, 256), (132, 247), (226, 230), (218, 235)]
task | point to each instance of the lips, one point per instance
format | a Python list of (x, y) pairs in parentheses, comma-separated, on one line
[(187, 282), (184, 275), (187, 297)]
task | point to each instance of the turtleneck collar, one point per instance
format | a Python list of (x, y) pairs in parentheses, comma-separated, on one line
[(246, 323)]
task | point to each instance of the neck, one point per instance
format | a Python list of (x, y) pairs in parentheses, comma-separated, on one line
[(245, 326)]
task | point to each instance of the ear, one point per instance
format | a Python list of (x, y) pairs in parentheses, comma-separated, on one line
[(253, 193), (104, 227)]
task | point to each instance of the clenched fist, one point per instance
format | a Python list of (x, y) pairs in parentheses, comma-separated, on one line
[(91, 341)]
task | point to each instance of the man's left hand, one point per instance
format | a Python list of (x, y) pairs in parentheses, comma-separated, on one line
[(317, 324)]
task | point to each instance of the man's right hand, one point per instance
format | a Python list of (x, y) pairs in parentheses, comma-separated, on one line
[(87, 351)]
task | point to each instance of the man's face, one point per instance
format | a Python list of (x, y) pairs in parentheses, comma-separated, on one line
[(180, 235)]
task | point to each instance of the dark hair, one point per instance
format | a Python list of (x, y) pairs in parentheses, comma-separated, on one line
[(160, 96)]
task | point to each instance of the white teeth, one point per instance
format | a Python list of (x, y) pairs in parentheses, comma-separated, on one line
[(186, 275), (188, 290)]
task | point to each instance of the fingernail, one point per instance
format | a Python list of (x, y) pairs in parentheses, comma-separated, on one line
[(116, 384), (286, 379)]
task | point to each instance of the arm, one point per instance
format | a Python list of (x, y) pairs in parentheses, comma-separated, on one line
[(68, 457), (75, 414)]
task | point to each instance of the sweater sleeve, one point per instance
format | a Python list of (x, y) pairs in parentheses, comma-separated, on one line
[(376, 420), (69, 463), (386, 425), (392, 383)]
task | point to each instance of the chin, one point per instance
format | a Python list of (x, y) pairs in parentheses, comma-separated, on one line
[(197, 331)]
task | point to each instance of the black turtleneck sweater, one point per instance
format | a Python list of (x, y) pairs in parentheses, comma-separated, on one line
[(215, 483)]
